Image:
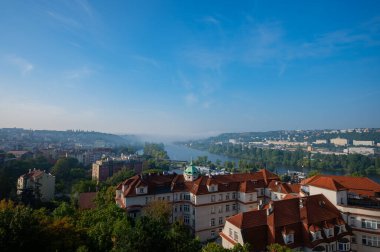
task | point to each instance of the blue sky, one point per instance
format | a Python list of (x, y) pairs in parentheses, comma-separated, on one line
[(189, 68)]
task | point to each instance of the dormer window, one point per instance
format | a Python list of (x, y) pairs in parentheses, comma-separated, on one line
[(316, 235), (341, 228), (329, 232), (288, 238), (141, 190)]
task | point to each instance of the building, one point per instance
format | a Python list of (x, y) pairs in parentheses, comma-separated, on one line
[(103, 169), (310, 223), (37, 182), (277, 190), (359, 150), (358, 200), (339, 141), (202, 202), (363, 143), (320, 141)]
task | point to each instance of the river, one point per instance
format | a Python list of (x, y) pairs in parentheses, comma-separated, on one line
[(183, 153)]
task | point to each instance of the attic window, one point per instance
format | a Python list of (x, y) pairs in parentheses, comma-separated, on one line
[(329, 232), (288, 238), (316, 235)]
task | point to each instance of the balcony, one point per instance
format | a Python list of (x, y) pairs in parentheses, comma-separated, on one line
[(366, 203)]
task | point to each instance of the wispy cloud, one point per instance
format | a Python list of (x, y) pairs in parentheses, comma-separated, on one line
[(147, 60), (79, 73), (22, 64), (66, 21), (191, 99)]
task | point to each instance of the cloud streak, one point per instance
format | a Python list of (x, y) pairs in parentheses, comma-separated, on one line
[(22, 64)]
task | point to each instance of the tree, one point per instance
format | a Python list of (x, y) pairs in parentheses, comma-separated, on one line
[(213, 247), (158, 210), (275, 247)]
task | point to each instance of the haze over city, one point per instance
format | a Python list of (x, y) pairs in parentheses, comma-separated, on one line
[(189, 68)]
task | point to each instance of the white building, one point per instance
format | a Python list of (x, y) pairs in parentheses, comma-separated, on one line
[(359, 150), (37, 180), (320, 141), (363, 143), (202, 202), (358, 200), (339, 141)]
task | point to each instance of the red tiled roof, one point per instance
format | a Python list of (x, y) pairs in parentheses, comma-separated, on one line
[(263, 227), (244, 182), (359, 185), (282, 187), (248, 219)]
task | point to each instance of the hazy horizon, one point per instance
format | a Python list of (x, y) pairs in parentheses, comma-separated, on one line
[(189, 69)]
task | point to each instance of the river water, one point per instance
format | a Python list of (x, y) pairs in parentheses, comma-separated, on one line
[(183, 153)]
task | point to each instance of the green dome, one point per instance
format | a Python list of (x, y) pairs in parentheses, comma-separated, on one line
[(191, 170)]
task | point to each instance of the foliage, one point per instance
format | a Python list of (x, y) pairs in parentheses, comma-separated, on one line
[(275, 247), (214, 247), (119, 177), (156, 151)]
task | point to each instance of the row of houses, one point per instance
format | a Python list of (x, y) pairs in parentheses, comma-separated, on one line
[(323, 213)]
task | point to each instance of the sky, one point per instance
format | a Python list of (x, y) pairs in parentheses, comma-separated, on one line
[(189, 68)]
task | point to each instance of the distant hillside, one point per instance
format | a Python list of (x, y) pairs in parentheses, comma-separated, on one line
[(294, 135), (85, 138)]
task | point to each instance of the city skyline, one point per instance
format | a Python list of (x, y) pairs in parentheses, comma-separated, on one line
[(189, 68)]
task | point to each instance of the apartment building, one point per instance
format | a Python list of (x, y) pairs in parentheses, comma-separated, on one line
[(37, 181), (105, 168), (363, 143), (339, 141), (202, 202), (309, 223), (358, 200)]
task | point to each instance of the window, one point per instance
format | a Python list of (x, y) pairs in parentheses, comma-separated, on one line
[(180, 208), (220, 220), (146, 200), (353, 221), (186, 197), (186, 219), (212, 198), (212, 209), (212, 222), (236, 237), (227, 208), (344, 246), (212, 233), (220, 209), (175, 209), (251, 197), (233, 206), (329, 232), (220, 197), (316, 235), (373, 241), (230, 232), (141, 190), (186, 208), (227, 196), (234, 195), (288, 238), (370, 224)]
